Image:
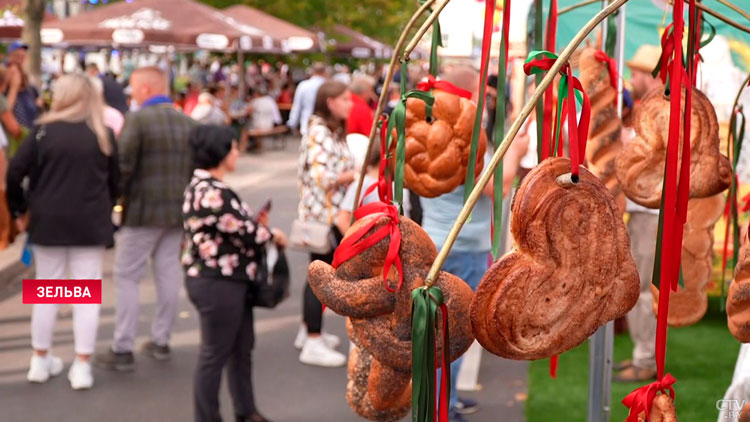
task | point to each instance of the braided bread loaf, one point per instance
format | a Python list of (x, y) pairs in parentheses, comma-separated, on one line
[(662, 410), (640, 164), (738, 299), (571, 271), (688, 305), (604, 131), (437, 149), (379, 321)]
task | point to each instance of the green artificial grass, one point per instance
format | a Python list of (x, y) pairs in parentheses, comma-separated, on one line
[(701, 358)]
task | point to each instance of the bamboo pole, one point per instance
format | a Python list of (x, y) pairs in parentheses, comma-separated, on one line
[(726, 3), (515, 127), (423, 29), (576, 6), (721, 17), (384, 94)]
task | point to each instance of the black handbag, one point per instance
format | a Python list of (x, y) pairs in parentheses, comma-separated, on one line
[(271, 285)]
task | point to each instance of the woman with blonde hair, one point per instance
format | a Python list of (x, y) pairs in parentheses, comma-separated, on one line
[(71, 161)]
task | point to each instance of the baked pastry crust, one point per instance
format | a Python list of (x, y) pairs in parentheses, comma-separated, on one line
[(571, 270), (738, 299), (379, 322), (640, 164), (437, 149)]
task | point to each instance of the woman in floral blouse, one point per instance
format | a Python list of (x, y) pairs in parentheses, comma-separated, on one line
[(326, 168), (222, 244)]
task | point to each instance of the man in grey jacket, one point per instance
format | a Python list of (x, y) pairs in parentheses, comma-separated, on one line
[(155, 164)]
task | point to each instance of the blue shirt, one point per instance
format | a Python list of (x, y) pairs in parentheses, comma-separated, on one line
[(304, 103), (25, 109), (439, 214)]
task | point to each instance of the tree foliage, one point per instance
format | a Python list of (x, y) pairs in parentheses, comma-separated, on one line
[(382, 20)]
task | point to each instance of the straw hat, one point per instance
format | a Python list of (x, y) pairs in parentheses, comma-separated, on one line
[(645, 59)]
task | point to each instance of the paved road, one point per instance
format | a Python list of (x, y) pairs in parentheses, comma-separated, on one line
[(286, 389)]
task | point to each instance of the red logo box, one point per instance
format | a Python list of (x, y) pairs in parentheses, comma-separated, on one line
[(62, 291)]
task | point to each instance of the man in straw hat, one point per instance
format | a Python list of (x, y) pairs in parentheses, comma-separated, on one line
[(642, 228)]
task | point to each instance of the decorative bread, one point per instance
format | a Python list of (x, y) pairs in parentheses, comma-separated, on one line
[(640, 164), (604, 130), (738, 299), (662, 410), (571, 272), (380, 321), (688, 305), (437, 149)]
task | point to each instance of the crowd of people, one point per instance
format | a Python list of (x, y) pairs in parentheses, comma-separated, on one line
[(164, 158)]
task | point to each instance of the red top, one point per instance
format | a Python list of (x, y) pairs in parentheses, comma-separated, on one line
[(360, 118), (190, 102)]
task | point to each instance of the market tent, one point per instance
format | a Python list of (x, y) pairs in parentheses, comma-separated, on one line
[(293, 37), (11, 22), (184, 24), (352, 43)]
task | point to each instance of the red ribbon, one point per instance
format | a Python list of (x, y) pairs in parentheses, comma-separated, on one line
[(354, 244), (640, 400), (611, 69), (553, 362), (444, 397), (675, 198), (446, 86), (384, 185)]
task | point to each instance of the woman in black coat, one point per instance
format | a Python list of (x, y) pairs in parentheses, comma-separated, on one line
[(71, 161)]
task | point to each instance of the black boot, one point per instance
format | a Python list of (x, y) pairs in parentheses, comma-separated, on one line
[(254, 417)]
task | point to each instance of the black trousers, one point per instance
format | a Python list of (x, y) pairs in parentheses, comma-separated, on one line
[(227, 339), (312, 309)]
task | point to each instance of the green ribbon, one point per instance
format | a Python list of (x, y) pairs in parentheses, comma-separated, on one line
[(475, 133), (398, 120), (609, 46), (424, 322), (738, 132), (497, 136)]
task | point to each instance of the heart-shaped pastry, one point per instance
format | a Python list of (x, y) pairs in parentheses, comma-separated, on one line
[(571, 270), (640, 164)]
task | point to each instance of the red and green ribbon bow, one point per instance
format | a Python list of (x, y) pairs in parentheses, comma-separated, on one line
[(426, 302), (357, 243), (570, 90)]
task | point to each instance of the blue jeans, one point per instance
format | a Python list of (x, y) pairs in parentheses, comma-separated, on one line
[(469, 267)]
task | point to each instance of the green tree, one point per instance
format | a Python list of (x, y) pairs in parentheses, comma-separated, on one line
[(382, 20)]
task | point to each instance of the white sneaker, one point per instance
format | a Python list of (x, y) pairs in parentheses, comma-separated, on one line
[(332, 341), (80, 376), (317, 353), (43, 367)]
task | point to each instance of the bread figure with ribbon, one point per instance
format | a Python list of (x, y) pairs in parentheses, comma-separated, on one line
[(738, 298), (640, 164), (438, 139), (599, 79), (384, 244)]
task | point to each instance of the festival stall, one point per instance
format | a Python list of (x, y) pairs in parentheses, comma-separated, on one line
[(183, 24), (570, 272)]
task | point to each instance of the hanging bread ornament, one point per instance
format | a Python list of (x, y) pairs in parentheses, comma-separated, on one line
[(640, 164), (571, 270), (379, 320), (738, 298), (438, 144), (662, 410), (688, 304), (604, 130)]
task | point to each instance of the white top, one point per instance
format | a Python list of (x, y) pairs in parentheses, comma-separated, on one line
[(304, 103), (265, 113)]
